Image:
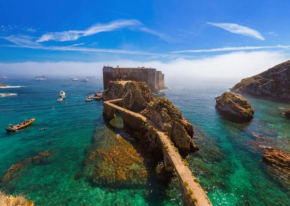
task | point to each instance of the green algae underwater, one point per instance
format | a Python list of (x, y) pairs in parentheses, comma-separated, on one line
[(228, 165)]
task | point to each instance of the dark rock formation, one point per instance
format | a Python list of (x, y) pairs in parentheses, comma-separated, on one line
[(40, 158), (287, 113), (235, 107), (136, 95), (275, 83), (169, 119), (278, 159)]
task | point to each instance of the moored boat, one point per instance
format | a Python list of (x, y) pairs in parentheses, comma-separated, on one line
[(89, 98), (21, 125), (62, 94), (59, 100)]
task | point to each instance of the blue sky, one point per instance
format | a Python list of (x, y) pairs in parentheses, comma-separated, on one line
[(91, 31)]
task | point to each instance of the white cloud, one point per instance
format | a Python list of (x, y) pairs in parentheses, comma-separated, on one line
[(235, 65), (239, 29), (73, 35), (226, 49)]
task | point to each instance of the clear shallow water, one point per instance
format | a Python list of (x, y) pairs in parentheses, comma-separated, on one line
[(228, 164)]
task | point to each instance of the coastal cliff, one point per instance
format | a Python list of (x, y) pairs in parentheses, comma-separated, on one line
[(137, 97), (234, 107), (274, 83)]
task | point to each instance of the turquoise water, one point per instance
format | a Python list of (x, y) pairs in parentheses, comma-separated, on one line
[(228, 164)]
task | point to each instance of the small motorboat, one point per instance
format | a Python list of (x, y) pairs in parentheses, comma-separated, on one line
[(89, 98), (59, 100), (75, 79), (62, 94), (42, 129), (21, 125), (85, 80)]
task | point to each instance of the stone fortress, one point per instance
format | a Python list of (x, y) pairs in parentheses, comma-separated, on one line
[(154, 78)]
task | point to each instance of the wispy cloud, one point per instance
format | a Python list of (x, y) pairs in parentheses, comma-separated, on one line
[(73, 35), (227, 49), (239, 29)]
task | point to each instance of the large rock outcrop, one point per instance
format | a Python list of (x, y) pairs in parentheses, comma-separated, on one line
[(274, 83), (234, 107), (135, 95), (116, 165), (169, 119)]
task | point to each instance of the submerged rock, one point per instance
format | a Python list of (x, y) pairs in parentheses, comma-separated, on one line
[(272, 83), (287, 113), (118, 165), (277, 158), (15, 169), (9, 200), (279, 163), (169, 119), (235, 107), (135, 95)]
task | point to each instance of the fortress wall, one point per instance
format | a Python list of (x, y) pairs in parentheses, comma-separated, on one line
[(155, 79)]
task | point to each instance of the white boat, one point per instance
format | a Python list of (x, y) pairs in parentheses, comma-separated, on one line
[(85, 80), (89, 98), (75, 79), (40, 78), (62, 94), (59, 100)]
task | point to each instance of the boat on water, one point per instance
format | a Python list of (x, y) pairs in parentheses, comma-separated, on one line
[(89, 98), (40, 78), (75, 79), (59, 100), (21, 125), (85, 80), (62, 94)]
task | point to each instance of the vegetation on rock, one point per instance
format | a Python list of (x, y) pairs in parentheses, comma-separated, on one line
[(9, 200)]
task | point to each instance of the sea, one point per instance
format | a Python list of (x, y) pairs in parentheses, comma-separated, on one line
[(229, 164)]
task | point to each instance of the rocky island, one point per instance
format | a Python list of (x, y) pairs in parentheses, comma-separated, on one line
[(272, 83), (234, 107), (159, 128)]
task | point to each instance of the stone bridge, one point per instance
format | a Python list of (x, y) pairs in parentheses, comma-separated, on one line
[(192, 192)]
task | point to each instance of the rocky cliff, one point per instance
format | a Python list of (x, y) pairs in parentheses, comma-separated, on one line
[(235, 107), (135, 95), (275, 83), (169, 119)]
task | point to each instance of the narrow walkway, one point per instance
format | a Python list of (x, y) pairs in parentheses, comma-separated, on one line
[(192, 192)]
